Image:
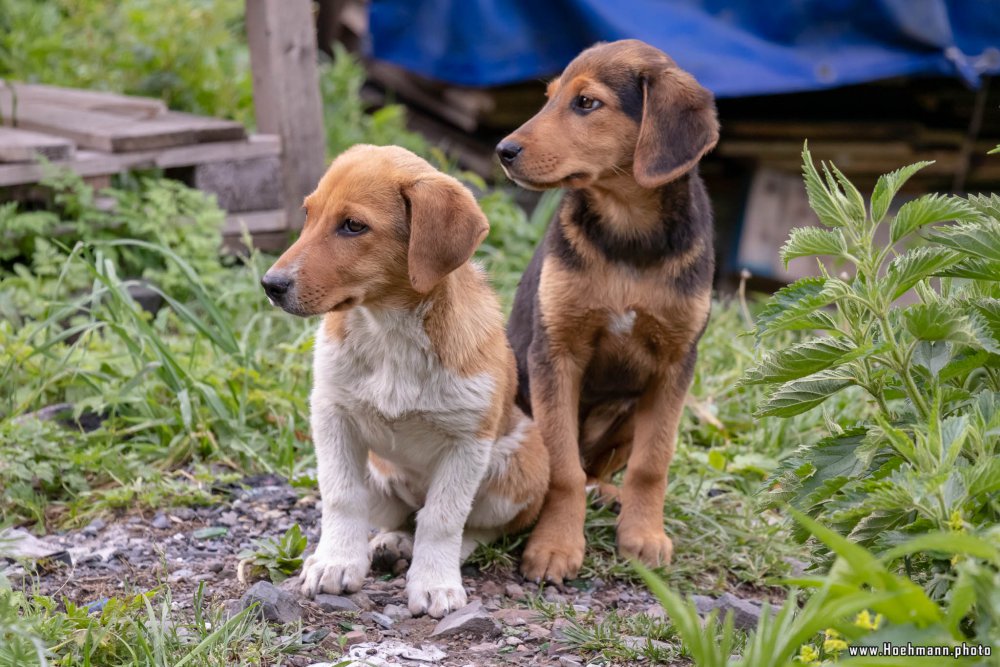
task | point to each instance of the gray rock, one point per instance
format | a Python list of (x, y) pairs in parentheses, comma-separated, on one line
[(569, 661), (180, 575), (335, 603), (354, 637), (94, 527), (274, 604), (554, 596), (514, 591), (19, 544), (703, 603), (229, 518), (362, 600), (639, 643), (377, 618), (514, 617), (471, 619), (397, 612), (656, 611), (746, 613), (160, 521)]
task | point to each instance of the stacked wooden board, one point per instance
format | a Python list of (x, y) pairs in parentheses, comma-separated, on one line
[(98, 134)]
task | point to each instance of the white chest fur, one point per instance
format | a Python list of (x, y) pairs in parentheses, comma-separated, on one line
[(387, 378)]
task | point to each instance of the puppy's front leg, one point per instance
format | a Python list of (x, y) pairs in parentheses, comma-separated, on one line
[(556, 546), (434, 582), (341, 559), (658, 415)]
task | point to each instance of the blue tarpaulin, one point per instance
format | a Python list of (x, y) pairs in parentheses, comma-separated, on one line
[(736, 48)]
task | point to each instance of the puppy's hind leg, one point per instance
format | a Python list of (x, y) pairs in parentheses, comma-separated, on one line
[(389, 514)]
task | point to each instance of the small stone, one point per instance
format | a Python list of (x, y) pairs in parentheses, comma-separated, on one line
[(229, 518), (471, 619), (581, 608), (536, 631), (485, 647), (656, 611), (703, 604), (554, 596), (490, 588), (216, 566), (377, 618), (397, 612), (746, 613), (569, 661), (639, 643), (275, 604), (513, 617), (354, 637), (331, 603), (231, 607), (514, 591), (362, 600), (94, 527), (180, 575), (513, 641)]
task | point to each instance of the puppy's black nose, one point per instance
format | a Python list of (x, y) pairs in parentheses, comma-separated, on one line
[(508, 151), (276, 285)]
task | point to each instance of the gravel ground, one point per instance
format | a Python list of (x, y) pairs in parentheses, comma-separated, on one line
[(136, 552)]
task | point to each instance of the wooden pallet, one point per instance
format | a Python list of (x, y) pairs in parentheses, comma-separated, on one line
[(97, 134)]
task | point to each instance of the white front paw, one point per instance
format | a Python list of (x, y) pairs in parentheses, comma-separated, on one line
[(333, 574), (436, 598)]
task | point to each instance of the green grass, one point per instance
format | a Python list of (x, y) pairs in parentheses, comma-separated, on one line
[(140, 629)]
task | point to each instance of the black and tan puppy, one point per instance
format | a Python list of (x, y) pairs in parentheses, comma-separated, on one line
[(609, 312)]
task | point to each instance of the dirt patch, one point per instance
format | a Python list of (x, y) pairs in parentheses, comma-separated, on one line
[(516, 622)]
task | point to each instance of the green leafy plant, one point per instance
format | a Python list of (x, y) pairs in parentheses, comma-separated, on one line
[(278, 559), (190, 53), (861, 602), (925, 458)]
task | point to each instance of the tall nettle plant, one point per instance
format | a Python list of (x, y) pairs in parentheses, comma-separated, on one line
[(927, 458)]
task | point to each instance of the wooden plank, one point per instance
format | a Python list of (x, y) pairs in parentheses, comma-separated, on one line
[(464, 115), (256, 222), (18, 145), (206, 128), (87, 100), (96, 130), (282, 39), (94, 163), (115, 134)]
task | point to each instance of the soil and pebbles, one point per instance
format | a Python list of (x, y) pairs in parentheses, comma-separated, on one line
[(185, 547)]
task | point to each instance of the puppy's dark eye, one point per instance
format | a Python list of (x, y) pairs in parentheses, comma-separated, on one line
[(352, 227), (584, 103)]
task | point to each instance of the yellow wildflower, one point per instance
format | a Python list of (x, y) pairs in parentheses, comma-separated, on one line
[(808, 655), (865, 620)]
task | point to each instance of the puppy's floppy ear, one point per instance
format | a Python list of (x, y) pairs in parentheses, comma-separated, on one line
[(446, 227), (678, 127)]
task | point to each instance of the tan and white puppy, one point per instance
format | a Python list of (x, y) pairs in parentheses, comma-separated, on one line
[(414, 381)]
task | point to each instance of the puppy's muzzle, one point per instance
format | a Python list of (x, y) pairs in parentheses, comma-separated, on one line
[(277, 286)]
